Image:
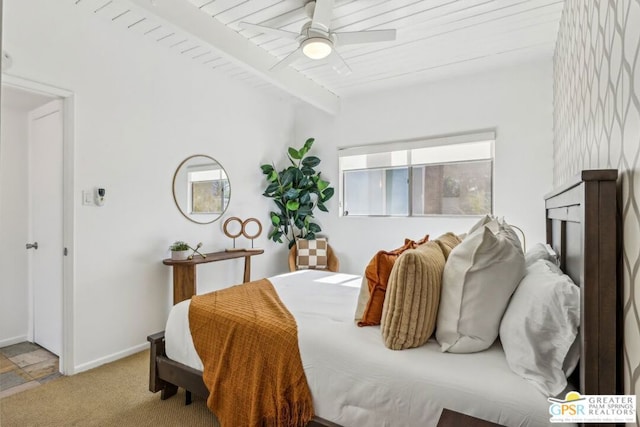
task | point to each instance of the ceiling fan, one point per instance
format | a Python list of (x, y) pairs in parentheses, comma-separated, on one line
[(316, 39)]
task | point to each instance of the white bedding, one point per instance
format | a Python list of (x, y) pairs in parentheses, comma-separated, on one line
[(356, 381)]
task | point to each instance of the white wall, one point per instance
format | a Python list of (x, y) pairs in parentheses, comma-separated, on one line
[(517, 102), (140, 110), (13, 226)]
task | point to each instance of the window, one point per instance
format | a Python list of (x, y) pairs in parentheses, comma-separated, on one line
[(208, 190), (440, 176)]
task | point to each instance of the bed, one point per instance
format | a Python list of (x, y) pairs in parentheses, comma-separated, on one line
[(355, 380)]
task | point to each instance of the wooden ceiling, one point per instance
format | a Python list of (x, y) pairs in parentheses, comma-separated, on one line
[(435, 39)]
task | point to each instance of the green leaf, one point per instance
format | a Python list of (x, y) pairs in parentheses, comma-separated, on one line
[(287, 177), (266, 169), (322, 207), (314, 228), (303, 151), (307, 170), (291, 243), (293, 205), (275, 219), (305, 197), (299, 223), (310, 236), (322, 184), (280, 205), (297, 176), (291, 194), (304, 210), (305, 182), (327, 194), (308, 143), (294, 154), (311, 161), (272, 187), (276, 235), (273, 176)]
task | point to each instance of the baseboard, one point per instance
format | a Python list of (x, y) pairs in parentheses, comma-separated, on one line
[(14, 340), (110, 358)]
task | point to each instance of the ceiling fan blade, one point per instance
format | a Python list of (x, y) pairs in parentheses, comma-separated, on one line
[(355, 37), (322, 15), (268, 30), (339, 65), (289, 59)]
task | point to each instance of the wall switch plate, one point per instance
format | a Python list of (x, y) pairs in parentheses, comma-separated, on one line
[(87, 198)]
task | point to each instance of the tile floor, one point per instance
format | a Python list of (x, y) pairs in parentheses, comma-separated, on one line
[(24, 366)]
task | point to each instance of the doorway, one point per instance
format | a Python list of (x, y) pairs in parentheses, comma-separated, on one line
[(36, 190)]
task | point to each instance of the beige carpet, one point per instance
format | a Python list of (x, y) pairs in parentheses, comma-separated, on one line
[(115, 394)]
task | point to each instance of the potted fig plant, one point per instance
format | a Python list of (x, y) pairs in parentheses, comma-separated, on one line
[(179, 250), (297, 191)]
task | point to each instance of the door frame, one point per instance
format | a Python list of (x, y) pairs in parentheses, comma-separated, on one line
[(67, 363)]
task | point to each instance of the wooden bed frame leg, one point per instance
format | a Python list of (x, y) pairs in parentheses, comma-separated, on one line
[(155, 383), (168, 391), (187, 397)]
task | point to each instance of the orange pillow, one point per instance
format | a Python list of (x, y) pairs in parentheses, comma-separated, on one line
[(377, 274), (422, 241)]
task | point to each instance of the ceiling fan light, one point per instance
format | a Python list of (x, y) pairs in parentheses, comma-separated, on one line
[(316, 48)]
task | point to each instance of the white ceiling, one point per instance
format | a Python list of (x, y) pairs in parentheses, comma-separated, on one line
[(435, 39)]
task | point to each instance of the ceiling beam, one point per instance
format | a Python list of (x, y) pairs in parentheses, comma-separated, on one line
[(240, 51)]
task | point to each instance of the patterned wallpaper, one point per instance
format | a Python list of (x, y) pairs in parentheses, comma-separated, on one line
[(597, 125)]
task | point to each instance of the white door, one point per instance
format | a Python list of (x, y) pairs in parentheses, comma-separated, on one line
[(46, 216)]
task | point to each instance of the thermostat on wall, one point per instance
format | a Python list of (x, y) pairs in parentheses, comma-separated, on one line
[(100, 194)]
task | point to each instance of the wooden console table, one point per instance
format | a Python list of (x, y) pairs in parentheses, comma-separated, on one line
[(184, 272)]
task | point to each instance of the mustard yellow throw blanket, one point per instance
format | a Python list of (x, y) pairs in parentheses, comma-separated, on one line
[(248, 343)]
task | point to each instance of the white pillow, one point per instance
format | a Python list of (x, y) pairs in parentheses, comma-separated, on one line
[(479, 277), (540, 326), (540, 251), (481, 223)]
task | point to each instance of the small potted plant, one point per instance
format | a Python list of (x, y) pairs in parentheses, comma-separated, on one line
[(179, 250)]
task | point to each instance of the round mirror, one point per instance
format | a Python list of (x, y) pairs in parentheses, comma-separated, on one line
[(201, 189)]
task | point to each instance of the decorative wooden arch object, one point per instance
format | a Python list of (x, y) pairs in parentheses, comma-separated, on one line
[(243, 230)]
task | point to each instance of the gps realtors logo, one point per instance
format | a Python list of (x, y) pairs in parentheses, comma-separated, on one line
[(576, 408)]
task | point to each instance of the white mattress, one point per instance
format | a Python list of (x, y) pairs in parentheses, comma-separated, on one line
[(356, 381)]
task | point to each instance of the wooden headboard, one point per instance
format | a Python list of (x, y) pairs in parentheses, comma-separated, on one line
[(582, 227)]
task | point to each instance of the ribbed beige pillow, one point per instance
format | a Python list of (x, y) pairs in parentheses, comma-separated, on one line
[(447, 242), (413, 295)]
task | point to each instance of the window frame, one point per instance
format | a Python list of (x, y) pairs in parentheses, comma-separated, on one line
[(402, 145)]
